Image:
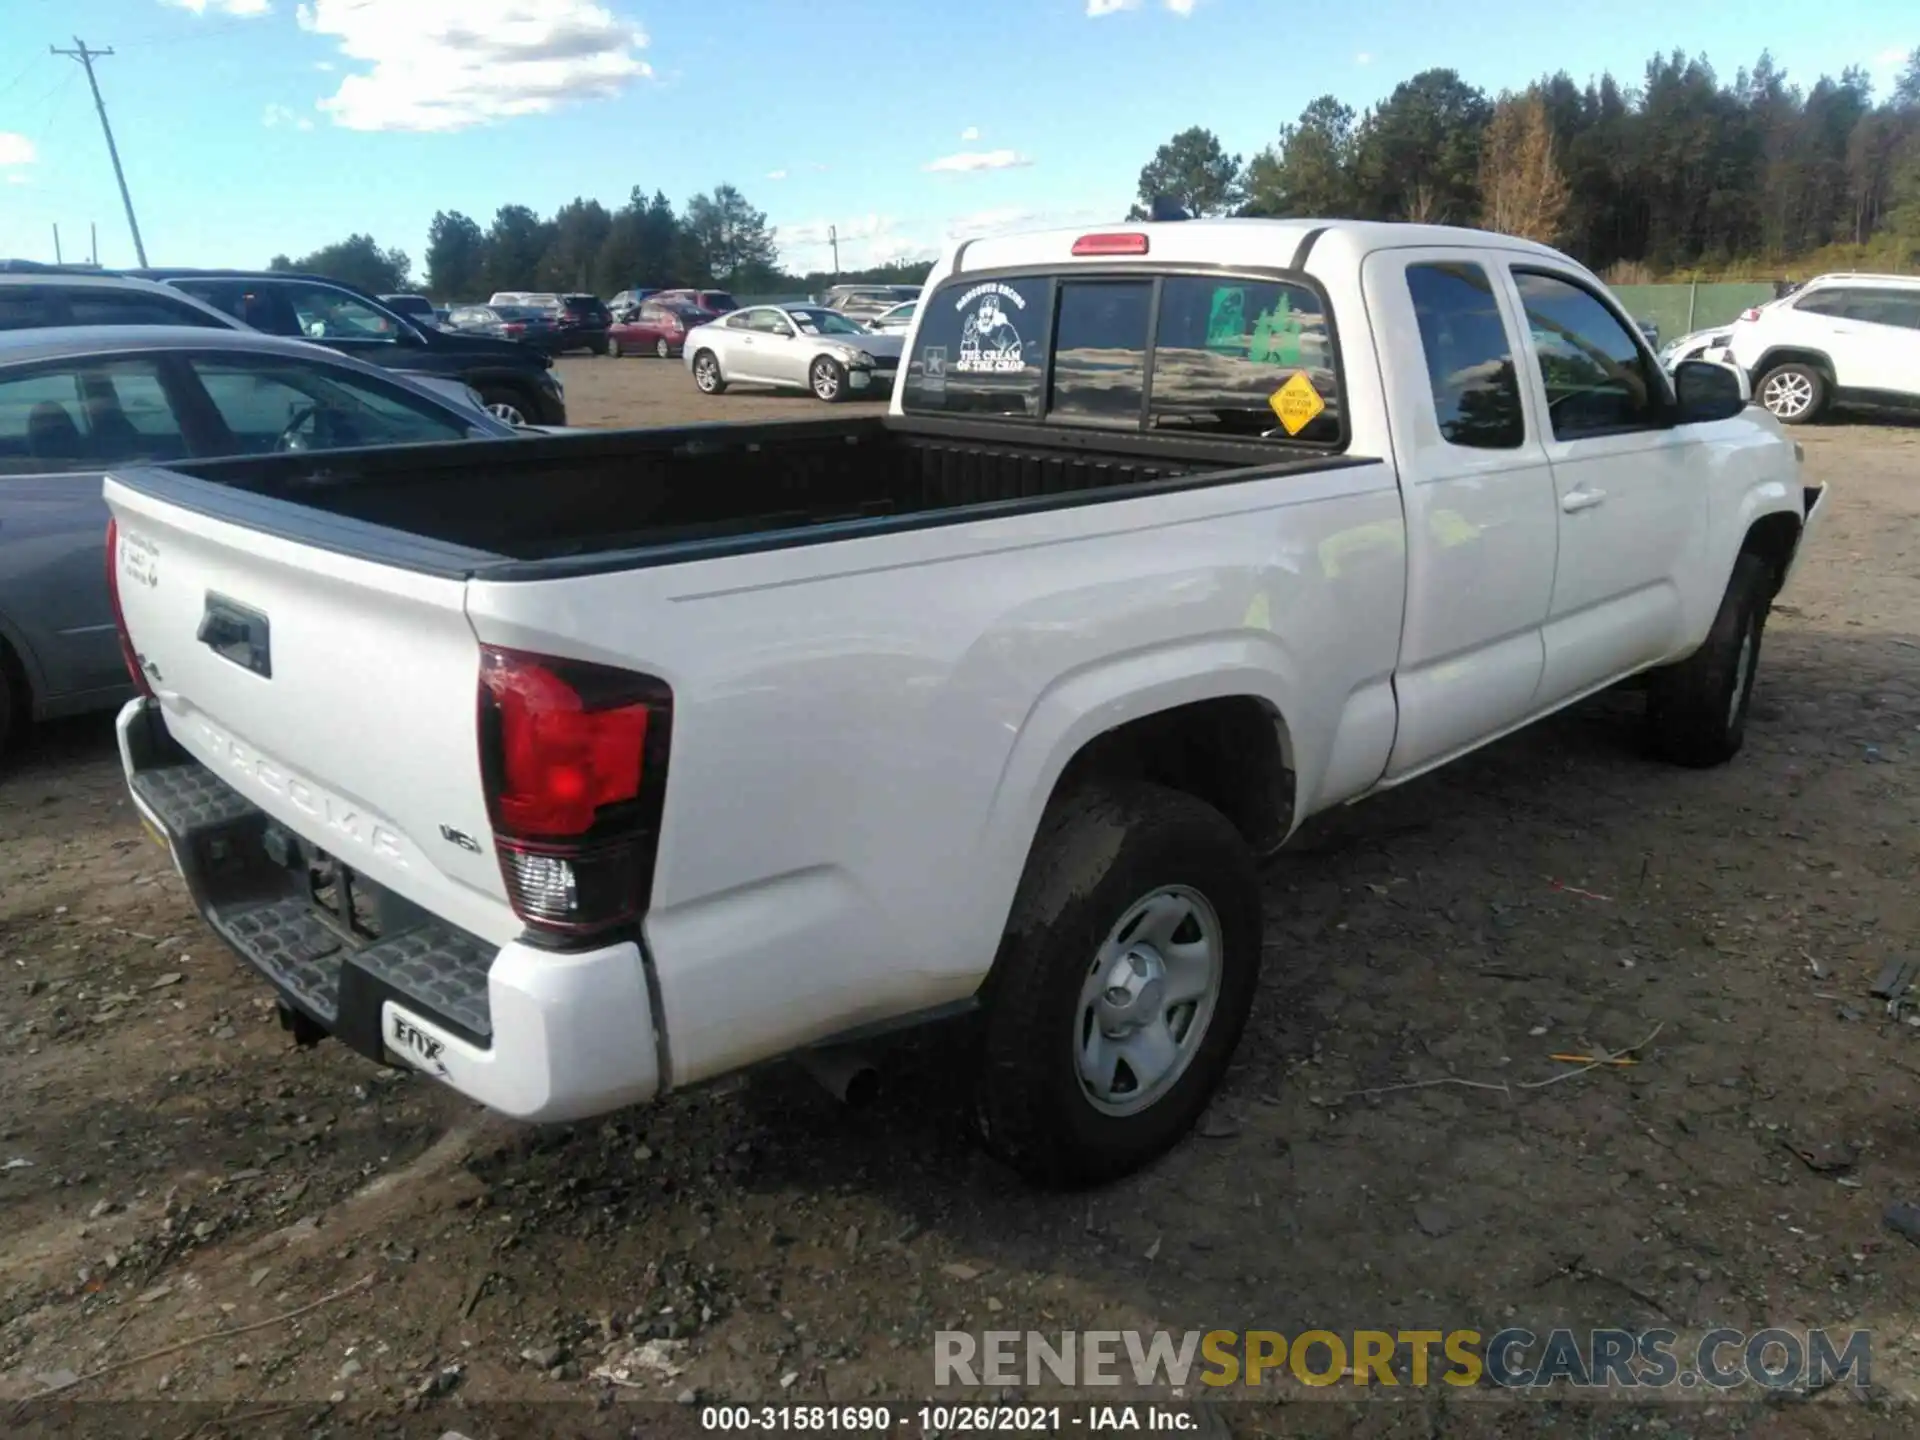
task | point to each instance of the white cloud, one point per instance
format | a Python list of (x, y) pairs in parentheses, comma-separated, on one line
[(818, 165), (972, 132), (15, 149), (970, 160), (245, 9), (277, 115), (865, 241), (1097, 8), (776, 174), (438, 65), (1365, 57), (1886, 66), (18, 177), (324, 66)]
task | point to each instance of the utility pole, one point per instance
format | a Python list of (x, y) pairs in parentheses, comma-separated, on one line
[(58, 259), (833, 239), (86, 58)]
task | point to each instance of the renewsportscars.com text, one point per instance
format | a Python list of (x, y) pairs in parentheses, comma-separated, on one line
[(1508, 1359)]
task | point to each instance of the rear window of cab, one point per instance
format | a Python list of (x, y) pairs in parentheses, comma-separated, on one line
[(1227, 356)]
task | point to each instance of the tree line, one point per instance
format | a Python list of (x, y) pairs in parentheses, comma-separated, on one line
[(719, 239), (1680, 173)]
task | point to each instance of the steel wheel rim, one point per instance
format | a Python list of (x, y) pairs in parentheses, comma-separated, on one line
[(1742, 669), (1788, 395), (510, 414), (1148, 998), (826, 384)]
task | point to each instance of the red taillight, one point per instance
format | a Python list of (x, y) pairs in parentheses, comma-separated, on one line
[(1119, 243), (513, 327), (574, 758), (127, 652)]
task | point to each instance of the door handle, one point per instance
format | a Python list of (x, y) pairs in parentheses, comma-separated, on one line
[(1582, 499)]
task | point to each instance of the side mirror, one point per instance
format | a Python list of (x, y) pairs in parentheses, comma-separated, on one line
[(1708, 390)]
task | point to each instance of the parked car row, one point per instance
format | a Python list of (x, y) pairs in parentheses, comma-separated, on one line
[(77, 400)]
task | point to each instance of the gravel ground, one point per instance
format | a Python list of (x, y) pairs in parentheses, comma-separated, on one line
[(170, 1166)]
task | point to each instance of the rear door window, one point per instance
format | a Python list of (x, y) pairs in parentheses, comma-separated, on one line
[(982, 348), (1242, 357), (1476, 392)]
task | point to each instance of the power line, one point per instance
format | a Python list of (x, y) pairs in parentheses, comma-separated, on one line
[(86, 58)]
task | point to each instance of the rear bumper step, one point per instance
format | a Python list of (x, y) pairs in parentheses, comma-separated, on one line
[(531, 1032), (316, 961)]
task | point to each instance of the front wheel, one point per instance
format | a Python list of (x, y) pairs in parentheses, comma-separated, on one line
[(1794, 394), (706, 373), (1122, 984), (1697, 709), (504, 404), (828, 379), (613, 349)]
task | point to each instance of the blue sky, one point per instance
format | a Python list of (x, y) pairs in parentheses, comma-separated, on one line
[(250, 127)]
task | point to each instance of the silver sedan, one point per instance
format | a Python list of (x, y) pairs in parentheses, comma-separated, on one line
[(794, 346)]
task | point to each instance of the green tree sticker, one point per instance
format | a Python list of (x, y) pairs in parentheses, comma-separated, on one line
[(1227, 319), (1276, 336)]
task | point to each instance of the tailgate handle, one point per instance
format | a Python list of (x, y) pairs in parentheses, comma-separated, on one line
[(235, 632)]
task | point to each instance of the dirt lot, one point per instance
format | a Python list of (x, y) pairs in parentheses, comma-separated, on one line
[(639, 390), (170, 1166)]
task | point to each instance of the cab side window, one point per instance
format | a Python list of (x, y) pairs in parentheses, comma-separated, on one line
[(1476, 394), (1598, 378)]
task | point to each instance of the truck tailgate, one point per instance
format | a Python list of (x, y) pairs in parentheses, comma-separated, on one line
[(260, 649)]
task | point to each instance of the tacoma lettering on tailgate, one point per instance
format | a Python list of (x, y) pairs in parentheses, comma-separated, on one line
[(340, 820)]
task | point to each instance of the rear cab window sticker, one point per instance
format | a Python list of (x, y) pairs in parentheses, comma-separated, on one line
[(990, 342)]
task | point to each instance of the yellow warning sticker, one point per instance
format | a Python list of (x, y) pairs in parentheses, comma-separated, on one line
[(1296, 403)]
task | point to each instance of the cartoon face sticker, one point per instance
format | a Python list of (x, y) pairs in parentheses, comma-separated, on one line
[(989, 340)]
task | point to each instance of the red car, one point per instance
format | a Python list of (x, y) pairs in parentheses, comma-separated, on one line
[(661, 329)]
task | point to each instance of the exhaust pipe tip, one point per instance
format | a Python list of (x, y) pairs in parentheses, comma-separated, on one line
[(848, 1075)]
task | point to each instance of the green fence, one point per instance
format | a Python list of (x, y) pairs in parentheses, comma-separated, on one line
[(1677, 309)]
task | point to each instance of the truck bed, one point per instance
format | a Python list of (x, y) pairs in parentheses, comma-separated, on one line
[(574, 504)]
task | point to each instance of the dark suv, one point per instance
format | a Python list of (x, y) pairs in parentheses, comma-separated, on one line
[(583, 322), (516, 382)]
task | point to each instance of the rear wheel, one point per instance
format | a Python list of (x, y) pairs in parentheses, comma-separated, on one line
[(706, 373), (828, 379), (662, 348), (1794, 394), (1697, 710), (1122, 986), (613, 349)]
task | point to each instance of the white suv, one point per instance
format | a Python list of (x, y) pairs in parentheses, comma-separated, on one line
[(1839, 338)]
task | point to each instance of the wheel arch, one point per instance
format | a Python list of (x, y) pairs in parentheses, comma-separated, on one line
[(1118, 718), (1780, 355)]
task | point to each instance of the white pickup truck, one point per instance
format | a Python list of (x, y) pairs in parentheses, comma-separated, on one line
[(572, 770)]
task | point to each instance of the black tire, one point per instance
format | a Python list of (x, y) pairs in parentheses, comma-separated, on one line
[(12, 699), (501, 399), (613, 349), (827, 378), (662, 349), (602, 346), (1794, 394), (1097, 855), (706, 374), (1697, 709)]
